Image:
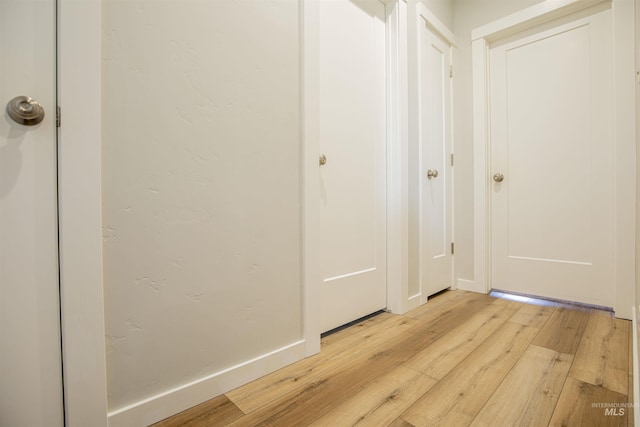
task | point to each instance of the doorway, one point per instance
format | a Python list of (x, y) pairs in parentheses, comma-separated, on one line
[(353, 143), (436, 159), (502, 246), (552, 156)]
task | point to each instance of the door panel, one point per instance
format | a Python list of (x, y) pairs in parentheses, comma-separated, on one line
[(353, 138), (435, 146), (552, 139), (30, 356)]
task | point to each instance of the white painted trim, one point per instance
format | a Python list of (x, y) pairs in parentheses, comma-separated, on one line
[(624, 125), (636, 374), (397, 160), (470, 285), (414, 301), (312, 275), (436, 25), (624, 138), (419, 150), (532, 16), (163, 405), (80, 213), (481, 215)]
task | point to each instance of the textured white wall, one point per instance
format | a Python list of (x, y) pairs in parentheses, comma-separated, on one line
[(201, 181), (468, 15)]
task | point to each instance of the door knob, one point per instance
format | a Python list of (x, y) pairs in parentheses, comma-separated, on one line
[(498, 177), (25, 110), (432, 174), (323, 160)]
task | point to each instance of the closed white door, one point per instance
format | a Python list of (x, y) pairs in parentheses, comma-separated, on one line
[(436, 177), (551, 144), (352, 131), (30, 354)]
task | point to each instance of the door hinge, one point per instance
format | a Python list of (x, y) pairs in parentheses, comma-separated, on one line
[(452, 251), (450, 71), (451, 159), (58, 116)]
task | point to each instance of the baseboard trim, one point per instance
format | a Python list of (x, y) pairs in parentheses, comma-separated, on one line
[(413, 302), (470, 285), (163, 405), (636, 377)]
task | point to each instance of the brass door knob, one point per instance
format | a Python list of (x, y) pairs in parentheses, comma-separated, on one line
[(432, 174), (498, 177)]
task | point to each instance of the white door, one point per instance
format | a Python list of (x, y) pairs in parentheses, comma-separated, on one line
[(352, 131), (30, 354), (551, 139), (436, 177)]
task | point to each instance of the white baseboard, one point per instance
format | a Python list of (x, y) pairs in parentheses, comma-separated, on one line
[(413, 302), (636, 377), (470, 285), (404, 306), (163, 405)]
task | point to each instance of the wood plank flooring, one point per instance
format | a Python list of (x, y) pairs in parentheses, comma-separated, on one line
[(462, 359)]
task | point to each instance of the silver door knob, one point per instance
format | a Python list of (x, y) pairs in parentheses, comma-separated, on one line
[(498, 177), (432, 174), (25, 111), (323, 160)]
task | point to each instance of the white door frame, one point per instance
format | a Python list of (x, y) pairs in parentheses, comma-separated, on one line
[(397, 159), (624, 137), (437, 26), (398, 298), (80, 213)]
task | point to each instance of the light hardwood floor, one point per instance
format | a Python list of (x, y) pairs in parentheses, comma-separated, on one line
[(462, 359)]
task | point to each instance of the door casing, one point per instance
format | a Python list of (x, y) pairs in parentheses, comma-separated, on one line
[(624, 138), (80, 213)]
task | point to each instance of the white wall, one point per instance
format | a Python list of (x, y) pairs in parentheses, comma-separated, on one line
[(468, 15), (202, 193)]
